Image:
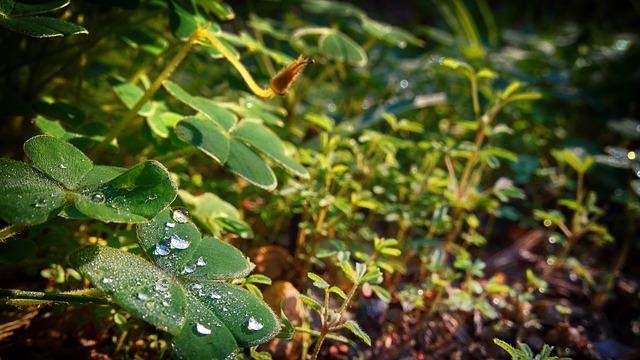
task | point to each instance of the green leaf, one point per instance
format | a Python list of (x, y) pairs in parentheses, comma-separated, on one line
[(338, 291), (289, 330), (210, 109), (312, 303), (215, 214), (135, 284), (357, 331), (579, 163), (203, 335), (247, 317), (100, 174), (162, 122), (318, 282), (176, 245), (265, 140), (249, 166), (136, 195), (389, 34), (348, 271), (27, 197), (42, 27), (27, 8), (182, 22), (508, 348), (512, 88), (340, 47), (391, 251), (460, 66), (58, 159), (206, 136), (53, 128), (382, 293), (130, 94), (221, 10), (6, 6)]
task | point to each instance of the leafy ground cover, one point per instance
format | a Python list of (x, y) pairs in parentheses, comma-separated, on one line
[(199, 179)]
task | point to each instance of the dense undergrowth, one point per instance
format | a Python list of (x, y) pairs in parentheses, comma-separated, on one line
[(403, 191)]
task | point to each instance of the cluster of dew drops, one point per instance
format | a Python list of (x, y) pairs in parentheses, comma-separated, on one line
[(165, 247)]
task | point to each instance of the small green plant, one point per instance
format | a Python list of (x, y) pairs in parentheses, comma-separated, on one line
[(61, 180), (524, 352)]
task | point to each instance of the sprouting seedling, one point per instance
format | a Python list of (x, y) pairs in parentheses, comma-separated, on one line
[(279, 84)]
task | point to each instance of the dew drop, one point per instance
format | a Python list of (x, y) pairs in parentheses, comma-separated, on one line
[(98, 198), (196, 286), (188, 269), (170, 224), (404, 84), (201, 261), (152, 197), (162, 249), (165, 303), (62, 166), (178, 243), (143, 297), (40, 203), (215, 296), (203, 330), (180, 215), (254, 325), (162, 285), (107, 281)]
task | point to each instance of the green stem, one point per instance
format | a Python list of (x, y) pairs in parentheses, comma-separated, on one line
[(11, 294), (125, 121)]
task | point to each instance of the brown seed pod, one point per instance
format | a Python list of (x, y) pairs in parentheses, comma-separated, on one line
[(283, 80)]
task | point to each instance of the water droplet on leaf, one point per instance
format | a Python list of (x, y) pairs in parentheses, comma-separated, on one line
[(201, 261), (152, 197), (40, 203), (62, 166), (188, 269), (203, 330), (254, 325), (162, 249), (143, 297), (179, 243), (215, 296), (170, 224), (106, 281), (98, 198), (162, 285), (180, 215)]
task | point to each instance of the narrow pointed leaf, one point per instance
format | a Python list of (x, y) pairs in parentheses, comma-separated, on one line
[(357, 331)]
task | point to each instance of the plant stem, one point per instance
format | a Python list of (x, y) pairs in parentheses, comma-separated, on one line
[(125, 121), (11, 294)]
